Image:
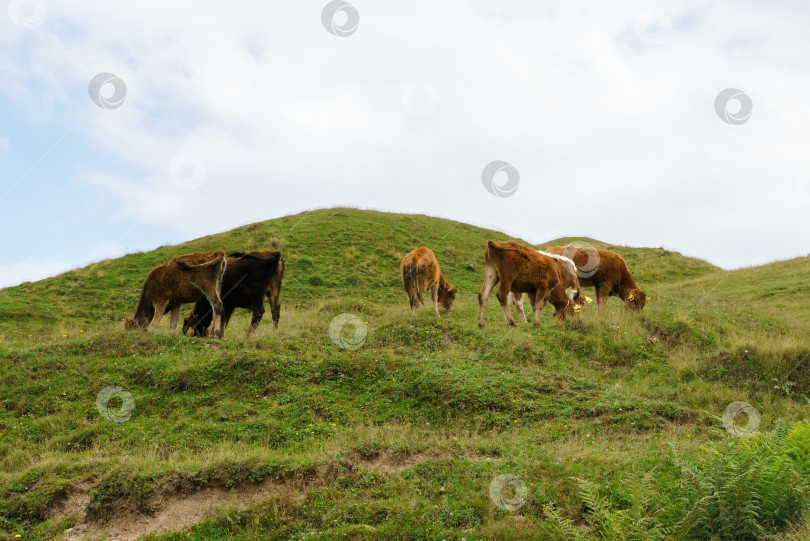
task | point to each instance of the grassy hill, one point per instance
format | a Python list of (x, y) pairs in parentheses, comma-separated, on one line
[(613, 424)]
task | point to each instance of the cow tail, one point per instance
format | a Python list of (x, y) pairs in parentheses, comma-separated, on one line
[(416, 282), (410, 279)]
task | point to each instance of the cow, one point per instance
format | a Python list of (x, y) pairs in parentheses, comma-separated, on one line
[(568, 273), (607, 272), (420, 272), (182, 279), (521, 269), (249, 277)]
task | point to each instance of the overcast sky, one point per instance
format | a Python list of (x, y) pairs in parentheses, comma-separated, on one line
[(215, 114)]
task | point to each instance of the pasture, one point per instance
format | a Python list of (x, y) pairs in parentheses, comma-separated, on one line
[(612, 423)]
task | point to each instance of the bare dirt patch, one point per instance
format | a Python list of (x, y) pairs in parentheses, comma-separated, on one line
[(178, 511), (189, 505)]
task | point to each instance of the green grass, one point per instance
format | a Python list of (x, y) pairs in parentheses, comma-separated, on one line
[(605, 419)]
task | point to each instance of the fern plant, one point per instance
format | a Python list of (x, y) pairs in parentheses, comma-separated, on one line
[(741, 491), (636, 521)]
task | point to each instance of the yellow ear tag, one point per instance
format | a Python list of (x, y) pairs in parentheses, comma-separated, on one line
[(577, 308), (631, 297), (588, 299)]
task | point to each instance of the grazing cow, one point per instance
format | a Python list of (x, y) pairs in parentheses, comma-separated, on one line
[(420, 272), (249, 277), (521, 269), (182, 279), (568, 273), (607, 272)]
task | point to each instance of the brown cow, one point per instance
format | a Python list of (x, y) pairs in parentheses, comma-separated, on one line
[(182, 279), (521, 269), (420, 272), (607, 272), (568, 273)]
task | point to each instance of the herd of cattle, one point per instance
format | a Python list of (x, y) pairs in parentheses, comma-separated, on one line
[(218, 285)]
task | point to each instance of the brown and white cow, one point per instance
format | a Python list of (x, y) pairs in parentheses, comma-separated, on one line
[(249, 277), (420, 272), (520, 269), (568, 273), (607, 272), (182, 279)]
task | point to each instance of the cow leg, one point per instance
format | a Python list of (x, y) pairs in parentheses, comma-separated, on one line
[(275, 307), (226, 318), (175, 317), (533, 302), (258, 312), (538, 305), (434, 296), (519, 306), (602, 294), (503, 298), (160, 307), (218, 325), (490, 279), (414, 304)]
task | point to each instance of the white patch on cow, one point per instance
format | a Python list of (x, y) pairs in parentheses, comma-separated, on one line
[(571, 292), (570, 266), (560, 257)]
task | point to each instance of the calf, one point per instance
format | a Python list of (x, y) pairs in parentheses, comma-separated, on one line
[(249, 277), (568, 274), (183, 279), (420, 272), (520, 270), (607, 272)]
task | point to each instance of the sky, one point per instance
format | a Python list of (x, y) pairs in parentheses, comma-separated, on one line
[(125, 126)]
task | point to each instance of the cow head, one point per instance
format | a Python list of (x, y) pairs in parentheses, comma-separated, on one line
[(577, 299), (447, 295), (132, 323), (636, 299), (191, 323), (568, 304)]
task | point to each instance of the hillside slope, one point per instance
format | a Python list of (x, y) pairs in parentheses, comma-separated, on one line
[(607, 421), (328, 253)]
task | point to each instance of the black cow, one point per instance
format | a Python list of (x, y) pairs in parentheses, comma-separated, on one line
[(249, 277)]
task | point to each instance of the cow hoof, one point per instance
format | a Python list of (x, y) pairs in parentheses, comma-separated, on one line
[(481, 324), (512, 324)]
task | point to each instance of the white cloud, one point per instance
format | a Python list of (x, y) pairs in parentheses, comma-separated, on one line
[(613, 137), (30, 270)]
